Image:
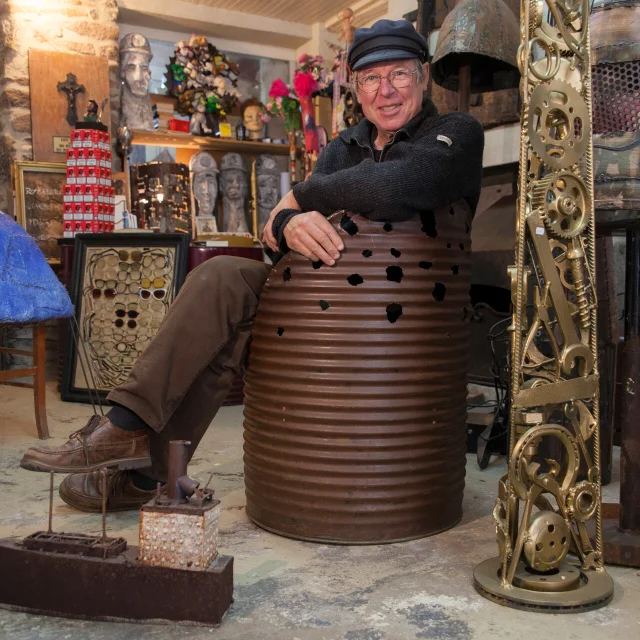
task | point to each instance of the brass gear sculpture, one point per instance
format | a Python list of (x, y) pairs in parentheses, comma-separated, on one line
[(546, 560), (564, 200), (558, 126)]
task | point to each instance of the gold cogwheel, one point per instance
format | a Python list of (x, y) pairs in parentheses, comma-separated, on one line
[(564, 201), (558, 125)]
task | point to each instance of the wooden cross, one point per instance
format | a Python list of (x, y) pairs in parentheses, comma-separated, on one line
[(71, 89)]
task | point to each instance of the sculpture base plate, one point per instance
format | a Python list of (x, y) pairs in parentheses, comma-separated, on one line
[(595, 591)]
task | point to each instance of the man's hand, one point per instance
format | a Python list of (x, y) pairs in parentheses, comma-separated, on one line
[(312, 235), (288, 202)]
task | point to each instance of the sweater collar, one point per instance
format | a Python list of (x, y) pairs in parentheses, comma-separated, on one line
[(362, 133)]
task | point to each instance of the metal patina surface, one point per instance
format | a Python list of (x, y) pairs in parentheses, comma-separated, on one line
[(179, 540), (355, 393), (484, 35)]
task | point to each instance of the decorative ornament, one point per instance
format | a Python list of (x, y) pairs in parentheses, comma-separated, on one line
[(204, 82)]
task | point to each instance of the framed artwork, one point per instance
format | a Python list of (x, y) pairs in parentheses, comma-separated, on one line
[(122, 285), (39, 198)]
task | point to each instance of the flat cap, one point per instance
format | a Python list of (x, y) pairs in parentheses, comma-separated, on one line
[(386, 40)]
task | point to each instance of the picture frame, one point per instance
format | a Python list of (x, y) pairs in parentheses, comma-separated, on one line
[(122, 285), (39, 189)]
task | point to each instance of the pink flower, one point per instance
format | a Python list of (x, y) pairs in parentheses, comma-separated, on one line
[(278, 89), (279, 100), (303, 58), (304, 84)]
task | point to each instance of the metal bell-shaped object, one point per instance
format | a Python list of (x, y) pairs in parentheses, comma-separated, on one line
[(483, 35)]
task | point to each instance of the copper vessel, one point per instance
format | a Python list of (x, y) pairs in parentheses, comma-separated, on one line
[(355, 415)]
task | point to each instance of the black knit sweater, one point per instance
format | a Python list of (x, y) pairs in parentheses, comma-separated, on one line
[(434, 160)]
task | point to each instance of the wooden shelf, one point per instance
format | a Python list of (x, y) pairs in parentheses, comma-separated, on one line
[(187, 141)]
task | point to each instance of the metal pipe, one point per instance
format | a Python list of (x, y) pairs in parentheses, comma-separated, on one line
[(178, 458)]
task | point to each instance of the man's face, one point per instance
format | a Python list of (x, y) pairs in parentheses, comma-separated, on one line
[(205, 191), (234, 184), (136, 74), (390, 108), (268, 191)]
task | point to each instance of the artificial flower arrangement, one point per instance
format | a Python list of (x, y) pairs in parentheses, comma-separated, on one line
[(203, 80), (309, 78), (282, 102)]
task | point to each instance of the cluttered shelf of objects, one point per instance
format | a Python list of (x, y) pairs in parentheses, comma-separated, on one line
[(188, 141)]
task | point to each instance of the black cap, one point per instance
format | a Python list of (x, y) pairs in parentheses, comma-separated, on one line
[(386, 40)]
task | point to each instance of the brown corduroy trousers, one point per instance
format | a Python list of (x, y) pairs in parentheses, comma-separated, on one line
[(182, 378)]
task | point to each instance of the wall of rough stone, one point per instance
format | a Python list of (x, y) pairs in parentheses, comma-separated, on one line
[(68, 26)]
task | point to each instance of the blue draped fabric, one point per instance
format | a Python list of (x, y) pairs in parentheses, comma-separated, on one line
[(29, 289)]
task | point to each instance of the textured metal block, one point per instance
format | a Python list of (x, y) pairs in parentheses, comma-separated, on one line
[(179, 538), (114, 589)]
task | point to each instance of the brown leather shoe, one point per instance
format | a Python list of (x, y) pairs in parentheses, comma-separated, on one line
[(84, 491), (97, 445)]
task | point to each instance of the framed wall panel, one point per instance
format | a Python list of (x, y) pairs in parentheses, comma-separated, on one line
[(39, 190), (122, 286)]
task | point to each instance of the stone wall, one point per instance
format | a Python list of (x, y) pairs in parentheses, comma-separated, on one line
[(68, 26)]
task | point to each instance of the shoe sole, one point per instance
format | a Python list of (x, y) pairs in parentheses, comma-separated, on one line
[(122, 464), (68, 499)]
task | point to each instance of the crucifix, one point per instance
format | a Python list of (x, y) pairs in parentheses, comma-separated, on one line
[(71, 89)]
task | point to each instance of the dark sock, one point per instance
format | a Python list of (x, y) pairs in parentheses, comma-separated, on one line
[(143, 482), (126, 419)]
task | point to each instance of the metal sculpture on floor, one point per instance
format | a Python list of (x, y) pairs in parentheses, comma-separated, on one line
[(543, 507)]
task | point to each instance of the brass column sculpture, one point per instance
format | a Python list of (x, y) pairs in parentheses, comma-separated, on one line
[(543, 506)]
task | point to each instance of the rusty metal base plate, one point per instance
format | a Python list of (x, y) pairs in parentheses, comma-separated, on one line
[(620, 546), (114, 589), (595, 591)]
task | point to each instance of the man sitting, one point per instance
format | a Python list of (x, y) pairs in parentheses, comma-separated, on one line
[(401, 159)]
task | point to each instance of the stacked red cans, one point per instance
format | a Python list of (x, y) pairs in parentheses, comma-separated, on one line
[(88, 193)]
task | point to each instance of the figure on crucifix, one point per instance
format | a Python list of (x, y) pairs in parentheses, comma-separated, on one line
[(71, 89)]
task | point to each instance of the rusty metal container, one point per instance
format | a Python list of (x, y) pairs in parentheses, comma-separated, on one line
[(355, 415), (615, 58)]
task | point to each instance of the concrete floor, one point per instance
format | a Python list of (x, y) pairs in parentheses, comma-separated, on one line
[(290, 590)]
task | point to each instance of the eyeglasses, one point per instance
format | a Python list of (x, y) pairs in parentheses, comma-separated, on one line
[(400, 78), (121, 313), (108, 293), (158, 294)]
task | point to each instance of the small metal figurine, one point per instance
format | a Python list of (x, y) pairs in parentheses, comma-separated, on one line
[(94, 112)]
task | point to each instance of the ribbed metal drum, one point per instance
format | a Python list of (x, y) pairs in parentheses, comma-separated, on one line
[(355, 393)]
